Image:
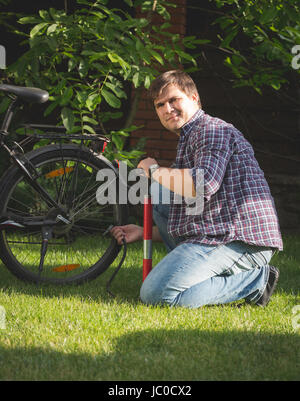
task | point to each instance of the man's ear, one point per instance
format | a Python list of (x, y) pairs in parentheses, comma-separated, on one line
[(195, 97)]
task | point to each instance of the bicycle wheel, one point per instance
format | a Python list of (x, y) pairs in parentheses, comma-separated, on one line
[(76, 252)]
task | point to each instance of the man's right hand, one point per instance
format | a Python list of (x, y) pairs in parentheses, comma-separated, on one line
[(130, 232)]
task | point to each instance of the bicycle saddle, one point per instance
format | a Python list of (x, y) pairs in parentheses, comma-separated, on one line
[(32, 95)]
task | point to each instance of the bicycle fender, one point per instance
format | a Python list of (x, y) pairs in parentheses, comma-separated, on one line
[(47, 148), (3, 179), (72, 146)]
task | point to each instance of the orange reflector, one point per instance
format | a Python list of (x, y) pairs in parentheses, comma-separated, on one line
[(66, 268), (58, 172)]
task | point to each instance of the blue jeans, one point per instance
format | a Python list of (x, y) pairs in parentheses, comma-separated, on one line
[(193, 275)]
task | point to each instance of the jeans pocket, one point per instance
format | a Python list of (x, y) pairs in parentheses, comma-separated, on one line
[(259, 259), (240, 258)]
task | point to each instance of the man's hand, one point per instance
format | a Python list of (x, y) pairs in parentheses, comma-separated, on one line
[(130, 232), (146, 163)]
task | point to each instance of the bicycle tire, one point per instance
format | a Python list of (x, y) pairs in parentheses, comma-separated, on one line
[(78, 252)]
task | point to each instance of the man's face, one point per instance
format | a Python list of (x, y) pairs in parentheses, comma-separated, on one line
[(174, 108)]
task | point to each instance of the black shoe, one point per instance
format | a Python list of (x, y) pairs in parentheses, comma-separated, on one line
[(270, 287)]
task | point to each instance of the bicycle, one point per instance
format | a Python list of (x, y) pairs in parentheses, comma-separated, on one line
[(48, 207)]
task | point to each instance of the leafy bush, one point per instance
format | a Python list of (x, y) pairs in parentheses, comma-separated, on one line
[(84, 59), (272, 28)]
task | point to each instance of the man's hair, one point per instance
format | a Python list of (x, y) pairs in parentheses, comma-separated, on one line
[(176, 77)]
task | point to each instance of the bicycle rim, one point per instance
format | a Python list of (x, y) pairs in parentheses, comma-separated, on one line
[(76, 252)]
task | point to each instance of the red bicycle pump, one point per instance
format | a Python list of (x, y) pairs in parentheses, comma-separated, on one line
[(147, 261)]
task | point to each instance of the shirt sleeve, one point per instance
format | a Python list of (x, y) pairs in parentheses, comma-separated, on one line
[(212, 149)]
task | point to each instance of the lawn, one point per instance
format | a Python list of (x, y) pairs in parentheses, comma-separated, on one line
[(82, 333)]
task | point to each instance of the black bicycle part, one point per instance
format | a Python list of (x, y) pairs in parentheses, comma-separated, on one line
[(77, 251), (108, 284), (58, 133), (31, 95)]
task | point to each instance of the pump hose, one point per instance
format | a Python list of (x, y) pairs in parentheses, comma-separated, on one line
[(117, 269)]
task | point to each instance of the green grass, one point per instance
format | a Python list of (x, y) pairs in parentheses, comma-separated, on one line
[(81, 333)]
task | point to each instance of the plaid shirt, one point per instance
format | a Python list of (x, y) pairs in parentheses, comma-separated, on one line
[(238, 205)]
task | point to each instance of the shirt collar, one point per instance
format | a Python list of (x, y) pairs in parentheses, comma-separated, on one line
[(186, 128)]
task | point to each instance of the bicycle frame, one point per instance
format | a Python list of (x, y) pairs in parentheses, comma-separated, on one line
[(24, 165), (28, 170)]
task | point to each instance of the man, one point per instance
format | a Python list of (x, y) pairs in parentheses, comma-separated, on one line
[(221, 254)]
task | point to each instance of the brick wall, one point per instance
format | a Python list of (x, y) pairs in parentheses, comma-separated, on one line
[(160, 144)]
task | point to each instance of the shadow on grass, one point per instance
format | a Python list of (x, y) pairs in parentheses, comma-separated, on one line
[(164, 355)]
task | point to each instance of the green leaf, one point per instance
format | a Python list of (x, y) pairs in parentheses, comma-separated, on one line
[(97, 56), (51, 107), (66, 96), (135, 79), (111, 99), (56, 14), (34, 31), (44, 14), (118, 141), (120, 133), (139, 45), (4, 104), (276, 85), (68, 118), (108, 115), (115, 58), (29, 20), (147, 82), (116, 89), (229, 38), (83, 68), (268, 15), (129, 2), (92, 101), (157, 56), (89, 129), (71, 64), (52, 28), (186, 56), (90, 120)]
